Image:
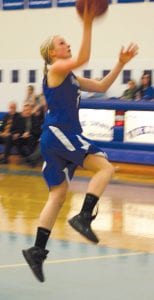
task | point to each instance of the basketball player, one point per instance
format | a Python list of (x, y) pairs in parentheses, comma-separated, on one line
[(62, 144)]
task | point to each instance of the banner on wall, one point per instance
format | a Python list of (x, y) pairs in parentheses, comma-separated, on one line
[(63, 3), (97, 124), (40, 3), (12, 4), (139, 127)]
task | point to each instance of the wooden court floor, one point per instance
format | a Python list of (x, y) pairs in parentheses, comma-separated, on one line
[(120, 267)]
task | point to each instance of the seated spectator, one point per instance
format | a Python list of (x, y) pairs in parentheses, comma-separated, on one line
[(35, 156), (9, 131), (30, 96), (30, 128), (41, 102), (129, 93), (145, 90), (38, 113)]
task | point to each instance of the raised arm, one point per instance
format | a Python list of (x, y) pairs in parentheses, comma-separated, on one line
[(66, 64), (102, 85)]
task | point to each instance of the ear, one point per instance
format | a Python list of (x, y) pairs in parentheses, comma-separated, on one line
[(52, 53)]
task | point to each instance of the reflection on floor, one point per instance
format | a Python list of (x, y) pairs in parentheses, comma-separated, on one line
[(120, 267), (126, 210), (75, 271)]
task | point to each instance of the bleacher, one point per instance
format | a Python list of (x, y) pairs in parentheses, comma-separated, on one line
[(14, 150), (117, 149)]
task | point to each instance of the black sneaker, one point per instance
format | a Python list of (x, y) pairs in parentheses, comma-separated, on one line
[(35, 257), (81, 223)]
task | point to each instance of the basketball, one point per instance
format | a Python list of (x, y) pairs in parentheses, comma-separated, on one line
[(100, 6)]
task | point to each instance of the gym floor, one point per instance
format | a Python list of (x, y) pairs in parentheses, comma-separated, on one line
[(120, 267)]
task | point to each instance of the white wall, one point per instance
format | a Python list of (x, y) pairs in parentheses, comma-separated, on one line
[(23, 31)]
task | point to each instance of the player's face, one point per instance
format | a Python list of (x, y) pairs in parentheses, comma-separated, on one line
[(61, 48)]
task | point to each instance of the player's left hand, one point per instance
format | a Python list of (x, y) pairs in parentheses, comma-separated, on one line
[(127, 54)]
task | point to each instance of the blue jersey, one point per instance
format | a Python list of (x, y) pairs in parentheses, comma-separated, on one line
[(63, 146), (63, 102)]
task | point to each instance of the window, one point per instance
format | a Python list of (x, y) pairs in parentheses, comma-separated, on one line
[(148, 72), (15, 76), (105, 72), (1, 75), (87, 73), (32, 76), (126, 76)]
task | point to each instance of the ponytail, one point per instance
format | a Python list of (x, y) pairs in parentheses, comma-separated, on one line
[(46, 46), (45, 71)]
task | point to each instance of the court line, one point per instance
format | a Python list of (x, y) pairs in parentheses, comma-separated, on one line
[(77, 259)]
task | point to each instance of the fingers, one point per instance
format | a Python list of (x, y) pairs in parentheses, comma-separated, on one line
[(85, 7), (131, 49), (89, 10), (135, 49), (126, 54), (122, 50)]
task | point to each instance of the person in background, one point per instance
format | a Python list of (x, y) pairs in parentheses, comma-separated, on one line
[(145, 91), (9, 131), (30, 130), (129, 93), (63, 145), (35, 156), (40, 103), (30, 96)]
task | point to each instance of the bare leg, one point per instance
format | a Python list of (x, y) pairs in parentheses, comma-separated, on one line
[(103, 172), (36, 255), (52, 207)]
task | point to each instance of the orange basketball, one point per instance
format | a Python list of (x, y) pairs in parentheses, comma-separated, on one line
[(101, 6)]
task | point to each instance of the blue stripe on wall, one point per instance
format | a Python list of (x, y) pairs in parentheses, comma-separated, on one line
[(129, 1), (63, 3), (13, 4), (40, 3)]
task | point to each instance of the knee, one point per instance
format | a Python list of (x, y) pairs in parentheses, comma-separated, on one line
[(57, 200), (108, 168), (58, 194), (111, 169)]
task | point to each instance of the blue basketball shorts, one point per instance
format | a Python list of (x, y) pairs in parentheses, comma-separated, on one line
[(63, 153)]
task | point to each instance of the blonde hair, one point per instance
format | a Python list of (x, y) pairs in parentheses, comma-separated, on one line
[(45, 47)]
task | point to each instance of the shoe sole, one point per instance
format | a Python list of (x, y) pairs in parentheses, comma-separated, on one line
[(81, 232), (24, 252)]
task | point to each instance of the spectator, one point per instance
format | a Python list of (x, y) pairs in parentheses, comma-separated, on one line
[(38, 112), (129, 93), (9, 131), (145, 90), (40, 102), (30, 129), (35, 156), (30, 96)]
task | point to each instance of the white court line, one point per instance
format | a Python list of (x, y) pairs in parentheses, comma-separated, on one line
[(77, 259)]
